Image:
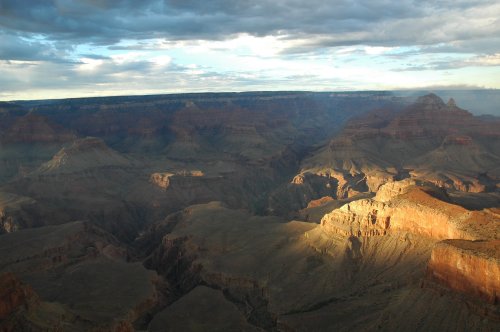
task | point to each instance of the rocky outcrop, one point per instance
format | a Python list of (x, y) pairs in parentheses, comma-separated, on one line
[(393, 189), (371, 218), (84, 154), (273, 273), (53, 246), (82, 268), (469, 267), (409, 208), (264, 271), (208, 311), (163, 179), (302, 189), (456, 182), (318, 202), (451, 103), (429, 117), (467, 261), (17, 212), (33, 128), (14, 296), (428, 141)]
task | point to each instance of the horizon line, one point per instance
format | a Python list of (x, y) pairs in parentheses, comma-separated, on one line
[(423, 89)]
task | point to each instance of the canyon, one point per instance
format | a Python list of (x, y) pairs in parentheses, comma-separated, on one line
[(255, 211)]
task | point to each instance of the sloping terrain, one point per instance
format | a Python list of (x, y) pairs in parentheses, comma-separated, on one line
[(262, 211), (429, 141), (83, 269), (302, 276), (203, 309)]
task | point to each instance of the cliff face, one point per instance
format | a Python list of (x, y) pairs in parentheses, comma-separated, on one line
[(430, 117), (263, 156), (275, 273), (467, 261), (409, 208), (249, 124), (300, 191), (33, 128), (428, 141), (14, 295), (78, 267), (208, 309), (17, 212), (249, 140), (84, 154), (164, 179), (470, 267)]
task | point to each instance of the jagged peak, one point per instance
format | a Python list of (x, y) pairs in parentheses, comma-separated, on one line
[(85, 153), (451, 103), (86, 143), (431, 100)]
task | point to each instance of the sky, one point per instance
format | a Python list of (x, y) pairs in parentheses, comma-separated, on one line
[(64, 48)]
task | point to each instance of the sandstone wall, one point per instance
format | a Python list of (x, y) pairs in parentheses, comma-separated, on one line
[(468, 267), (370, 217)]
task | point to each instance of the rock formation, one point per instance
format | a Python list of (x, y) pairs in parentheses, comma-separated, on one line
[(470, 267), (15, 212), (84, 154), (33, 128), (79, 266), (428, 141), (14, 296), (261, 211), (409, 208), (163, 179), (208, 311)]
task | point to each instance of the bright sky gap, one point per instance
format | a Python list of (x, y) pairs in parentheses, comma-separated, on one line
[(59, 49)]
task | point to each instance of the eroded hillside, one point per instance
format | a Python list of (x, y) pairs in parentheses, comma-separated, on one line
[(250, 212)]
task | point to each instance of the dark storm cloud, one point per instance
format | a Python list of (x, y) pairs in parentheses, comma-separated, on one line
[(13, 47), (64, 44), (320, 23), (94, 56), (106, 21)]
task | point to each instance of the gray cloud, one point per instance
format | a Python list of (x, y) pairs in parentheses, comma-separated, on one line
[(321, 23), (50, 33), (15, 47), (451, 63)]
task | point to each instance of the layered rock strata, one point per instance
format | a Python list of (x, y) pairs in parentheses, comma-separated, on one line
[(163, 179), (429, 141), (413, 210), (14, 295), (470, 267)]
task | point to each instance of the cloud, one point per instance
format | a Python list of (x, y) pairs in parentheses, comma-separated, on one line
[(115, 75), (492, 60), (108, 46), (316, 23), (13, 47)]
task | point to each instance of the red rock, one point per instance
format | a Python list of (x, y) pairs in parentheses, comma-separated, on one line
[(162, 180), (33, 128), (429, 140), (14, 295), (410, 210), (470, 267), (319, 202)]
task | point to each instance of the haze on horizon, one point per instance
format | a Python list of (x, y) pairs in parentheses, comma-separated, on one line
[(60, 49)]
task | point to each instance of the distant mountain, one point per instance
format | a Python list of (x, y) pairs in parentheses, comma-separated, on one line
[(261, 211), (33, 128), (476, 101), (83, 155), (429, 140)]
